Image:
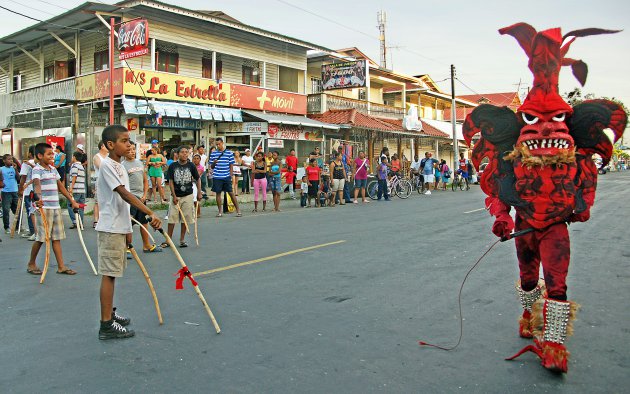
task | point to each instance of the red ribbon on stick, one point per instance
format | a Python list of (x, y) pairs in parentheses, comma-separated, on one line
[(184, 273)]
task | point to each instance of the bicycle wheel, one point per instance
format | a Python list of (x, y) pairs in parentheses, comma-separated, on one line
[(454, 184), (467, 185), (403, 189), (462, 184), (419, 186), (372, 190)]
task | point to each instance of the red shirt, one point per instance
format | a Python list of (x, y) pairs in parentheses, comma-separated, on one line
[(313, 173), (289, 176), (292, 161)]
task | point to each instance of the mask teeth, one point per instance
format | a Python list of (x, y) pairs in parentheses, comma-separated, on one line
[(558, 143)]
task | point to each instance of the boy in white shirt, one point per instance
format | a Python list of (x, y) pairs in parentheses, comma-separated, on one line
[(113, 226)]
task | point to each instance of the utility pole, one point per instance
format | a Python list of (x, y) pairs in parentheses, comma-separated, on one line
[(453, 116), (381, 18)]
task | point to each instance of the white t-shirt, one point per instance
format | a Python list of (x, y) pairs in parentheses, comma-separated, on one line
[(204, 160), (97, 169), (304, 187), (114, 216), (415, 165), (247, 161), (28, 172)]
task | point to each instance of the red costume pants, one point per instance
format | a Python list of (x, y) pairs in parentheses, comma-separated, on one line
[(552, 247)]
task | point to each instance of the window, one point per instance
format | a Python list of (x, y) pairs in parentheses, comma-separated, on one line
[(49, 73), (17, 81), (316, 85), (362, 94), (206, 68), (251, 76), (168, 62), (101, 60)]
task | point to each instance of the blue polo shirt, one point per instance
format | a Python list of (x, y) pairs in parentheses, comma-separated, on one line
[(10, 179)]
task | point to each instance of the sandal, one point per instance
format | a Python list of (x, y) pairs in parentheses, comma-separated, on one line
[(255, 210), (219, 215), (152, 249), (34, 271), (183, 244), (67, 271), (164, 245), (238, 215), (94, 224)]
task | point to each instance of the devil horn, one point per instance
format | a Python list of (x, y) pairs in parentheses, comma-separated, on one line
[(592, 31), (523, 33), (578, 67)]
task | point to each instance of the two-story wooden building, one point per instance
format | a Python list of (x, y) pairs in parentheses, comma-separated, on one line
[(205, 74)]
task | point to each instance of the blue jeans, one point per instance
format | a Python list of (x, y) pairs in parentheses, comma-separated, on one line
[(382, 189), (29, 218), (80, 199), (9, 202)]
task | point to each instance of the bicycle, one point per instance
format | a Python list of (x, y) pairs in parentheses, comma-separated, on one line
[(417, 183), (459, 181), (395, 185)]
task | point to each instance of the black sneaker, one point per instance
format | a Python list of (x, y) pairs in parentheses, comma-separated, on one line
[(113, 330), (123, 321)]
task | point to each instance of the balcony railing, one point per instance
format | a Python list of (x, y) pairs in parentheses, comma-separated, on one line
[(42, 96), (322, 102)]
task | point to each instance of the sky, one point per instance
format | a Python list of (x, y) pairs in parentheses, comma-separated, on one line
[(426, 37)]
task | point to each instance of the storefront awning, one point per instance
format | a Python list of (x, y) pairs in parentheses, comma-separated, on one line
[(179, 110), (294, 120)]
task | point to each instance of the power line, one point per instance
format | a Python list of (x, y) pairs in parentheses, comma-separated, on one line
[(50, 23), (357, 31), (34, 9), (53, 4)]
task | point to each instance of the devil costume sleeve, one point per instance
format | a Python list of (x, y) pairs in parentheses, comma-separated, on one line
[(541, 164)]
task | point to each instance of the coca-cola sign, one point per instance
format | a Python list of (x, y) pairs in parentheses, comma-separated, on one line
[(133, 39)]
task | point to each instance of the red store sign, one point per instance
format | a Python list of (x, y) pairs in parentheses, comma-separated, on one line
[(252, 97), (133, 39)]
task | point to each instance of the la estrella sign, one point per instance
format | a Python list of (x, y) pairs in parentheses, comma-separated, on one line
[(165, 86)]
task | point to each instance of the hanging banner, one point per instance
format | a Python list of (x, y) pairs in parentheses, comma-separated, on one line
[(96, 85), (290, 132), (133, 39), (344, 75)]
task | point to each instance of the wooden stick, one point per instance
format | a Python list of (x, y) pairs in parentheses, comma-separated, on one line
[(183, 217), (143, 228), (21, 216), (196, 217), (148, 279), (42, 213), (17, 217), (79, 227), (197, 290)]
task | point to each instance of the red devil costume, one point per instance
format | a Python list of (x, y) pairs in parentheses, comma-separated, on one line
[(540, 163)]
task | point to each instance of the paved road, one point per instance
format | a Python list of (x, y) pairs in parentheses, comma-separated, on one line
[(344, 317)]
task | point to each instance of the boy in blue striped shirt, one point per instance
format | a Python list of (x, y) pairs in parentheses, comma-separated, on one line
[(221, 160)]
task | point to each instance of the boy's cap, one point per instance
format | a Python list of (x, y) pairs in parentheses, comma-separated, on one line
[(81, 147)]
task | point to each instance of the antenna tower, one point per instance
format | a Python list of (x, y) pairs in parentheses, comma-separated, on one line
[(381, 18)]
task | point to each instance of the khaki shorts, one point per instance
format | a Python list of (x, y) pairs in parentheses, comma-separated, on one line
[(55, 225), (112, 254), (338, 184), (188, 209)]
